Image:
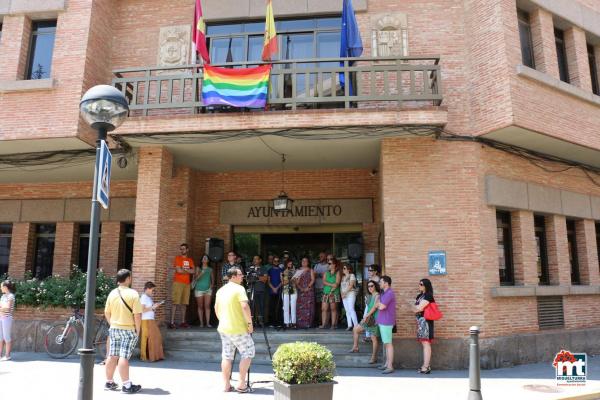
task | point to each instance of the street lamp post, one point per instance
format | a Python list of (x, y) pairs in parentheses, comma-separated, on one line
[(104, 108)]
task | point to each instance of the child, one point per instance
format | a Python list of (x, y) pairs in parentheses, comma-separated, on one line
[(151, 341), (7, 307)]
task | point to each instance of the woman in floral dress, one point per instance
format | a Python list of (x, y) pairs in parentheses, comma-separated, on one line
[(305, 280)]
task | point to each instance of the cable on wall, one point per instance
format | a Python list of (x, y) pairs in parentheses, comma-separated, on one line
[(55, 159), (545, 162)]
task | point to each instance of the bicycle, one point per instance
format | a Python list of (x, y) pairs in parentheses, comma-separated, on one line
[(61, 339)]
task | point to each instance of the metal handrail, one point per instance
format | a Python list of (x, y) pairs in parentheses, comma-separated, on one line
[(435, 59)]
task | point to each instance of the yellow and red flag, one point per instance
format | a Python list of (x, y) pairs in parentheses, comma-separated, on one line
[(270, 44), (199, 34)]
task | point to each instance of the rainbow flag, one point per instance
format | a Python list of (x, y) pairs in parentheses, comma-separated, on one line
[(238, 87)]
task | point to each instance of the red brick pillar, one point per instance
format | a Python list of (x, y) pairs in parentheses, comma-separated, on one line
[(524, 248), (597, 56), (110, 248), (558, 250), (544, 46), (155, 168), (180, 213), (422, 213), (16, 33), (587, 252), (21, 249), (64, 248), (577, 58)]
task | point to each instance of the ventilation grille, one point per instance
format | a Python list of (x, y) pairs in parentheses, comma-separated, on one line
[(550, 312)]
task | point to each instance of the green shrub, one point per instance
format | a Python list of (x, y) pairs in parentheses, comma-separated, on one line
[(303, 362), (58, 291)]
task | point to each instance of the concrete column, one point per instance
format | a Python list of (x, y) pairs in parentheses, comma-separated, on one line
[(577, 58), (64, 248), (150, 261), (110, 249), (16, 33), (558, 250), (544, 47), (21, 249), (587, 252), (524, 248)]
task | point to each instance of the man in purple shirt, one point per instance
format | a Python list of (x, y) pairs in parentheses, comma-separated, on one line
[(386, 318)]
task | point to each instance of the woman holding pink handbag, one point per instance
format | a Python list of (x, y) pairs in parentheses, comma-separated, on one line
[(425, 326)]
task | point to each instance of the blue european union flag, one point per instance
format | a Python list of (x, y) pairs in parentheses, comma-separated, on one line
[(351, 42)]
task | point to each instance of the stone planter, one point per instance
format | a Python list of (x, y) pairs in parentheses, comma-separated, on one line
[(311, 391)]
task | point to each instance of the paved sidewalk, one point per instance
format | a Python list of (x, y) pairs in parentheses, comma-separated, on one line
[(34, 375)]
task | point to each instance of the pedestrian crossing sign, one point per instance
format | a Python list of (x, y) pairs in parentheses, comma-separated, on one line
[(104, 167)]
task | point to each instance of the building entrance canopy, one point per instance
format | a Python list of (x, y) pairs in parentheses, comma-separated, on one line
[(256, 149)]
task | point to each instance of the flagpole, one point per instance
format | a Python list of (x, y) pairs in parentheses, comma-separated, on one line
[(229, 58)]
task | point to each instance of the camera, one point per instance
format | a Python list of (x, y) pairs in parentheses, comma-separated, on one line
[(252, 275)]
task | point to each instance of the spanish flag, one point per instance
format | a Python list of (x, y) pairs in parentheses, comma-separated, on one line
[(270, 45), (199, 34)]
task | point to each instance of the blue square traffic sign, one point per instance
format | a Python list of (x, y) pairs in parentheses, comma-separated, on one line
[(104, 166)]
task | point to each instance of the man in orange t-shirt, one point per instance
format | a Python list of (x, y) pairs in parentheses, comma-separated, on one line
[(184, 268)]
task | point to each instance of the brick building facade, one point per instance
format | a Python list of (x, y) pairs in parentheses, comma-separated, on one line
[(461, 141)]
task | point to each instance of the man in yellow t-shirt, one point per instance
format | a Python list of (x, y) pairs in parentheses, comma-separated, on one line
[(123, 311), (235, 328), (180, 293)]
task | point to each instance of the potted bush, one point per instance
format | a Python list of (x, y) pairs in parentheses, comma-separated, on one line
[(303, 371)]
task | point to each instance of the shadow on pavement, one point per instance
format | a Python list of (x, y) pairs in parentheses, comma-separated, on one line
[(262, 391), (155, 392)]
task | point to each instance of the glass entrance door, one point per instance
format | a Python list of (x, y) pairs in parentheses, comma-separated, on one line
[(297, 245), (248, 244)]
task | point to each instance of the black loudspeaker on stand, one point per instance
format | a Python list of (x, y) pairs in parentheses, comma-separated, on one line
[(215, 249)]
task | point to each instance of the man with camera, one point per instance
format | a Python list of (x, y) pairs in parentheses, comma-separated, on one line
[(235, 328), (256, 278)]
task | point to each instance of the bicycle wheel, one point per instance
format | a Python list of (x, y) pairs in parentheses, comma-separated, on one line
[(58, 345), (101, 339)]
